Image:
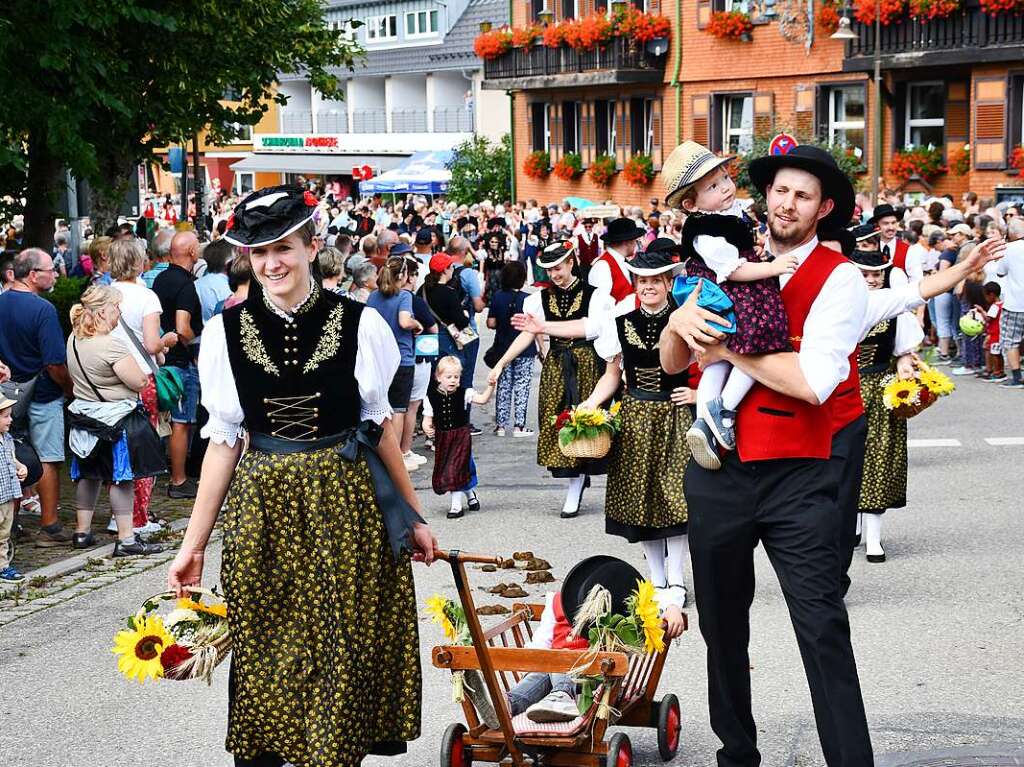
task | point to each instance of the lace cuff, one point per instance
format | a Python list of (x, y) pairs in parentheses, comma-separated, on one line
[(222, 432), (376, 413)]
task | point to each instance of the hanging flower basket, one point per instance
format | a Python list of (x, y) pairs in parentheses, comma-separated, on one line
[(570, 166), (960, 161), (828, 17), (730, 25), (602, 169), (491, 45), (934, 9), (1017, 158), (536, 164), (639, 170), (923, 162), (893, 11), (996, 7)]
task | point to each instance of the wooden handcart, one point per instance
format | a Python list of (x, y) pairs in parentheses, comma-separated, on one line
[(502, 658)]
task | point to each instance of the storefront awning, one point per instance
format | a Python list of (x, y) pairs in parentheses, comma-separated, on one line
[(322, 164)]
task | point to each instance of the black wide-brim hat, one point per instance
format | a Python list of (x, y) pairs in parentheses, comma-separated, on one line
[(834, 183), (615, 575), (870, 260), (661, 256), (622, 230), (884, 210), (555, 253), (268, 215)]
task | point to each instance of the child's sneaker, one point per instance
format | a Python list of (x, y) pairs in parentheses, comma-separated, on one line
[(996, 378), (30, 507), (499, 431), (522, 431), (703, 445), (11, 575), (556, 707), (721, 421)]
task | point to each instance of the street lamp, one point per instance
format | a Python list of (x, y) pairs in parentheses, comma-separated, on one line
[(545, 16), (769, 10), (485, 26), (845, 31), (618, 7)]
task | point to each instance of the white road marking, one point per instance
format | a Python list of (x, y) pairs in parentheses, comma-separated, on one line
[(1004, 441), (933, 443)]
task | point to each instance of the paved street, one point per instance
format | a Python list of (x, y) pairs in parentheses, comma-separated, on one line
[(938, 629)]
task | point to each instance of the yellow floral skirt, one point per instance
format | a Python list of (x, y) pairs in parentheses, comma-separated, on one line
[(552, 400), (885, 458), (325, 665)]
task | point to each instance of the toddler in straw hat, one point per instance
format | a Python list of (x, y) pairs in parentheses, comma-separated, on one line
[(718, 243)]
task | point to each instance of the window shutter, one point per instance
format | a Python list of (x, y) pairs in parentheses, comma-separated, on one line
[(899, 116), (587, 115), (654, 6), (625, 129), (530, 130), (555, 131), (764, 114), (656, 130), (703, 13), (699, 116), (989, 145), (805, 112)]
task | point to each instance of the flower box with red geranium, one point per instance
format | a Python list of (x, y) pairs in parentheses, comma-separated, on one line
[(828, 17), (554, 34), (960, 161), (892, 11), (524, 37), (1017, 158), (491, 45), (730, 25), (537, 164), (934, 9), (922, 162), (568, 167), (996, 7), (639, 170), (602, 169), (634, 24)]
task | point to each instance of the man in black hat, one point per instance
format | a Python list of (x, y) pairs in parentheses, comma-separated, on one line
[(891, 245), (777, 488), (608, 273)]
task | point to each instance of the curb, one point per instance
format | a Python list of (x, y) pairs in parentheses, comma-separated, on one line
[(78, 562)]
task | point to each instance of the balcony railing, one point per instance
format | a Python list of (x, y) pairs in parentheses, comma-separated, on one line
[(453, 120), (970, 31), (541, 61), (408, 120), (332, 122), (369, 121), (296, 122)]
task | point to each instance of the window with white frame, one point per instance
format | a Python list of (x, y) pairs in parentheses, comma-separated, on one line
[(379, 28), (244, 183), (737, 110), (926, 113), (846, 117), (243, 133), (604, 126), (421, 24), (345, 27)]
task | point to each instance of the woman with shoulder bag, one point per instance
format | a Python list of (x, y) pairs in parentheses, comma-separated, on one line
[(140, 330), (444, 303)]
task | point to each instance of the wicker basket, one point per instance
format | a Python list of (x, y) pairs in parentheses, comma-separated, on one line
[(208, 652), (584, 447), (925, 400)]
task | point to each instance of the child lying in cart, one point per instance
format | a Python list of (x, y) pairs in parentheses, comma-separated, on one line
[(552, 697)]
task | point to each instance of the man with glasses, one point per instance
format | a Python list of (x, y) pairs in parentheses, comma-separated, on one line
[(32, 345)]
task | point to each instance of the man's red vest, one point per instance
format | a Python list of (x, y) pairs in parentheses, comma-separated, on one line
[(899, 259), (847, 405), (587, 252), (561, 640), (770, 425), (621, 285)]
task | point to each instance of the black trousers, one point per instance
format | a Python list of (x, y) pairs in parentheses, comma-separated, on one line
[(847, 461), (789, 506)]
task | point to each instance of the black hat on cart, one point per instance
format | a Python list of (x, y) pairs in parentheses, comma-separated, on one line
[(618, 577)]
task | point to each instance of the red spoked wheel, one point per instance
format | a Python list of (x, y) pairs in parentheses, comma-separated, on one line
[(620, 751), (669, 727), (454, 752)]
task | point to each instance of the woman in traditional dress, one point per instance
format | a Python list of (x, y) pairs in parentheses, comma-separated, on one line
[(888, 348), (570, 313), (644, 501), (320, 513)]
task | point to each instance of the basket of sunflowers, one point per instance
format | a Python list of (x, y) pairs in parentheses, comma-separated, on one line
[(586, 433), (907, 397), (187, 643)]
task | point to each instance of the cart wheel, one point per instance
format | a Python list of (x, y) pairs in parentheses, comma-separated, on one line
[(620, 751), (453, 751), (669, 727)]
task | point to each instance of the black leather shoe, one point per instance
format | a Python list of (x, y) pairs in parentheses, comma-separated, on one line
[(137, 549), (83, 540), (570, 514), (452, 514), (876, 558), (474, 502)]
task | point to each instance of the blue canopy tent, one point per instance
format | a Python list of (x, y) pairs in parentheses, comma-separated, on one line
[(423, 173)]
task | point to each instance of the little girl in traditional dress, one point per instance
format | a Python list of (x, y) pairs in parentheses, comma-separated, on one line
[(718, 243), (446, 412)]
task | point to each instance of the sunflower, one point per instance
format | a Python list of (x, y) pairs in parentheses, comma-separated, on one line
[(614, 409), (935, 382), (900, 392), (140, 647), (437, 609), (219, 610), (649, 617)]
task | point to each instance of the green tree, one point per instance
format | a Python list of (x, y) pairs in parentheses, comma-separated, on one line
[(98, 86), (481, 170)]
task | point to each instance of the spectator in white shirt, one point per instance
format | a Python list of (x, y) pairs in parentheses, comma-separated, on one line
[(1011, 322)]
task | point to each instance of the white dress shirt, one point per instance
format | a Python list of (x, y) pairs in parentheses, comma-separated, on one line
[(1011, 269), (914, 270), (600, 274), (886, 303), (834, 324)]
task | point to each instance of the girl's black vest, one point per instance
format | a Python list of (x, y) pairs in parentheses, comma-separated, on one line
[(450, 411), (639, 333)]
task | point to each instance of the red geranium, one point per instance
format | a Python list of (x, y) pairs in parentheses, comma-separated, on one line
[(174, 656), (828, 18), (730, 25), (995, 7), (554, 34), (490, 45), (892, 11), (639, 171), (568, 167), (934, 9), (602, 169), (923, 162), (1017, 158), (640, 26), (536, 164), (524, 36), (562, 418)]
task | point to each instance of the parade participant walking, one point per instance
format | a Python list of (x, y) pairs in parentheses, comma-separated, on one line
[(319, 512), (888, 348), (588, 245), (570, 313), (608, 273), (446, 420), (718, 244), (777, 488), (894, 247), (644, 501)]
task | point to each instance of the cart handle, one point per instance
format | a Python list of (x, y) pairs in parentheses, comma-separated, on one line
[(455, 555)]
